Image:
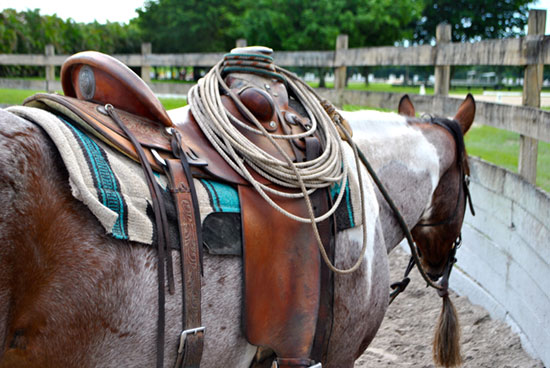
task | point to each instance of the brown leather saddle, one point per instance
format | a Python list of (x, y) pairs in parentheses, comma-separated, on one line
[(287, 289)]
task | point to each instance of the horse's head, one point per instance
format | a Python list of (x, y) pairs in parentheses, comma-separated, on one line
[(437, 234)]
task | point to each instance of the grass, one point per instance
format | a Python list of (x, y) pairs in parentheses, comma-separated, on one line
[(494, 145), (173, 103), (15, 96), (383, 87), (501, 147)]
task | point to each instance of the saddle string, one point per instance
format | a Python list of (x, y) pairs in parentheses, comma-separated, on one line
[(330, 168)]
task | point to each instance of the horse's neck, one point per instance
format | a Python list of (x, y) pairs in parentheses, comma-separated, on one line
[(406, 162)]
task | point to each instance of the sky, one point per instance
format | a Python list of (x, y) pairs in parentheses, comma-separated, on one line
[(119, 10), (79, 10)]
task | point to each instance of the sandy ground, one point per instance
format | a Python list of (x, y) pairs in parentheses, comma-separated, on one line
[(405, 337)]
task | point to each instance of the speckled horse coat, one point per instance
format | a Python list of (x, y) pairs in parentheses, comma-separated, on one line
[(71, 296)]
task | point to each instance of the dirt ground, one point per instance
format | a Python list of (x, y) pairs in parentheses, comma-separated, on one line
[(405, 337)]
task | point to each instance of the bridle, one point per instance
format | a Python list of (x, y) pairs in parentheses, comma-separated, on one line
[(453, 127)]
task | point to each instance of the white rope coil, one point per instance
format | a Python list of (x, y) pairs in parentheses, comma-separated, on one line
[(243, 156)]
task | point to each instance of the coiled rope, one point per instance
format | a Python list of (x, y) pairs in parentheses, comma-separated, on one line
[(328, 169)]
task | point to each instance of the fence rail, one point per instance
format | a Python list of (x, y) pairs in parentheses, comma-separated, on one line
[(531, 52), (528, 50)]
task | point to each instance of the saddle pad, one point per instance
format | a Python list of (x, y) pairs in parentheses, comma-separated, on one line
[(114, 188)]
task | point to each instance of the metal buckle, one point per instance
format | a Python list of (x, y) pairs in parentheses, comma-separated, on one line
[(192, 331)]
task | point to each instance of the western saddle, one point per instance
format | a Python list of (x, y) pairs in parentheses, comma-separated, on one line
[(287, 288)]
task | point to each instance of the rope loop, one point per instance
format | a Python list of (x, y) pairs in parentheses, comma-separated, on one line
[(243, 156)]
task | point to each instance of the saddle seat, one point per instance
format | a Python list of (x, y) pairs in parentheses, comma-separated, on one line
[(287, 306)]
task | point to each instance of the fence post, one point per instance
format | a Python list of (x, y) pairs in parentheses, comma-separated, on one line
[(442, 72), (50, 68), (241, 42), (532, 85), (340, 71), (146, 50)]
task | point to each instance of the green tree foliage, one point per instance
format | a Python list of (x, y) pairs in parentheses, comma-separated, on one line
[(214, 25), (29, 32), (314, 25), (473, 19), (189, 25)]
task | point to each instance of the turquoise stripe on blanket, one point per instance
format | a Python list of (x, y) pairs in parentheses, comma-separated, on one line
[(105, 181), (223, 197), (344, 212)]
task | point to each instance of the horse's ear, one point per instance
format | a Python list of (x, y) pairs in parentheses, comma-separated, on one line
[(406, 107), (466, 113)]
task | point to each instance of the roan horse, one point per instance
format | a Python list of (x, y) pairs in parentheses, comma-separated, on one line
[(72, 296)]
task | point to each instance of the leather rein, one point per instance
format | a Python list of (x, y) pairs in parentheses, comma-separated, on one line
[(452, 127)]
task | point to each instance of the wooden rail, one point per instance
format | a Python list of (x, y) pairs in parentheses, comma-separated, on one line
[(528, 50), (531, 52)]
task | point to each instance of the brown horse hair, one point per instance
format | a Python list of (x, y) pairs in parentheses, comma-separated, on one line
[(446, 344)]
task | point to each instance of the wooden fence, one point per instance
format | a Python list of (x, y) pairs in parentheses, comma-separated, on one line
[(531, 52)]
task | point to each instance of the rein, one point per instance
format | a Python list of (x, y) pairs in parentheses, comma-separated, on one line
[(442, 287)]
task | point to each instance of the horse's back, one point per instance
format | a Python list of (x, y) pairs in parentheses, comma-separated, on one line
[(70, 295), (81, 298)]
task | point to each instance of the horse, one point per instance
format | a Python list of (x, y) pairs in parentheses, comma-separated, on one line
[(73, 296)]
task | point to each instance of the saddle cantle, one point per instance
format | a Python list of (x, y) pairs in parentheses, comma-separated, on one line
[(287, 289), (93, 76)]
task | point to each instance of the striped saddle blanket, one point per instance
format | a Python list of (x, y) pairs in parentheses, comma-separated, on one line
[(114, 188)]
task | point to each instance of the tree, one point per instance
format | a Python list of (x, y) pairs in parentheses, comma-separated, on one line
[(188, 25), (314, 25), (473, 19), (29, 32)]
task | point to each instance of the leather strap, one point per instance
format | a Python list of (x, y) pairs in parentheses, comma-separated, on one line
[(162, 231), (183, 191), (327, 231)]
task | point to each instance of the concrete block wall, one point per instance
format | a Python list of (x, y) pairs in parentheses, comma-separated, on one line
[(504, 262)]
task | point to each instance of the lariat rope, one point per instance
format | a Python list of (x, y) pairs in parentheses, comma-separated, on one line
[(329, 168)]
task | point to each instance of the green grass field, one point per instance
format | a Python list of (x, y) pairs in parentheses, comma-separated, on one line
[(15, 96), (502, 148), (382, 87), (494, 145)]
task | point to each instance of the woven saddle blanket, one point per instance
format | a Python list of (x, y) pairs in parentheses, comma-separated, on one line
[(114, 189)]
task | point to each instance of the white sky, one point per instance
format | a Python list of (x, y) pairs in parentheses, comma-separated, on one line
[(119, 10), (79, 10)]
